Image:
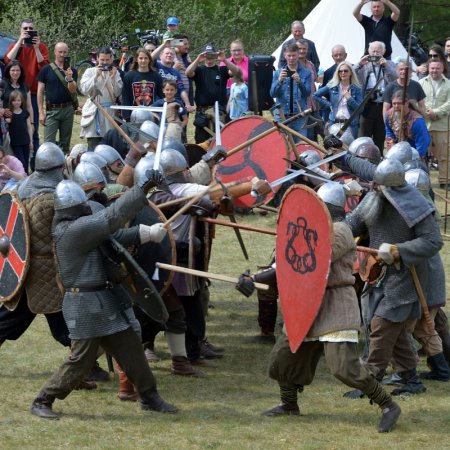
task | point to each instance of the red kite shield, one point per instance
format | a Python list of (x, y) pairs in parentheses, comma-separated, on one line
[(262, 159), (14, 246), (303, 256)]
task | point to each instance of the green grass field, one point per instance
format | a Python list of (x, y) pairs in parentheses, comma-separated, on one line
[(220, 411)]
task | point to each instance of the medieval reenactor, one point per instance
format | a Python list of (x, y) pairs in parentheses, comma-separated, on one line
[(94, 315)]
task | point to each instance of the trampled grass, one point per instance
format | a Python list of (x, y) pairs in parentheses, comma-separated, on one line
[(220, 411)]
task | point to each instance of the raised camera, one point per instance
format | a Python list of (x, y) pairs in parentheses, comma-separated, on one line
[(373, 58)]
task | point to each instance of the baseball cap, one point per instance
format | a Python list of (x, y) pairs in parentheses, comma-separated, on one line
[(209, 48), (172, 21)]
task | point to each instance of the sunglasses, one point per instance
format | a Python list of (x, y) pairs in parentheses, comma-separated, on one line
[(343, 71), (433, 55)]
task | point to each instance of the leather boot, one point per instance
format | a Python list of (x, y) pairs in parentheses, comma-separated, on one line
[(391, 412), (439, 368), (152, 401), (126, 387), (182, 366), (97, 374), (445, 337), (412, 384), (289, 406), (42, 406)]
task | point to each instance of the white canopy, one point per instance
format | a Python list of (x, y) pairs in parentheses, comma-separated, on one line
[(331, 22)]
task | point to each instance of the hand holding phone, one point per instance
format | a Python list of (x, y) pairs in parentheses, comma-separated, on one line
[(66, 63), (31, 35)]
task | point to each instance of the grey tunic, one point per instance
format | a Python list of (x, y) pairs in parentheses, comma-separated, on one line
[(98, 312)]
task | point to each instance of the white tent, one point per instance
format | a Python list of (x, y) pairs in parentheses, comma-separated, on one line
[(331, 22)]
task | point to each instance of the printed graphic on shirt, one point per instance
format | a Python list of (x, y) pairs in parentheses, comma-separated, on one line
[(143, 93)]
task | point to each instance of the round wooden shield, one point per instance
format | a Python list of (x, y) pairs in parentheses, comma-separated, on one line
[(262, 159), (149, 254), (195, 153), (303, 257), (14, 245)]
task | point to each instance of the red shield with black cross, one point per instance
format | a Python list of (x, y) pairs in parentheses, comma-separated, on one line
[(303, 257), (14, 245)]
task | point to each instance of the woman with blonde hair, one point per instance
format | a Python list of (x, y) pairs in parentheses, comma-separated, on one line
[(342, 95)]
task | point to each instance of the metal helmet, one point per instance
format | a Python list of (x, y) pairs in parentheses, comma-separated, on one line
[(173, 163), (139, 116), (419, 179), (68, 194), (151, 131), (309, 157), (87, 174), (77, 150), (94, 158), (175, 144), (359, 141), (401, 152), (389, 172), (109, 153), (144, 164), (332, 193), (347, 138), (369, 151), (413, 164), (415, 154), (49, 156)]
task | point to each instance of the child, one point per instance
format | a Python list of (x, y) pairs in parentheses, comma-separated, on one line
[(176, 117), (172, 27), (237, 104), (20, 131)]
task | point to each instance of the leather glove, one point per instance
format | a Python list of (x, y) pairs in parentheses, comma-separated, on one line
[(152, 233), (136, 152), (216, 155), (385, 252), (204, 207), (153, 178), (331, 141), (245, 284), (260, 187), (352, 187)]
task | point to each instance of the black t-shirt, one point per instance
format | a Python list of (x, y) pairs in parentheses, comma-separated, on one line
[(8, 89), (414, 91), (55, 91), (378, 31), (18, 128), (141, 88), (211, 85)]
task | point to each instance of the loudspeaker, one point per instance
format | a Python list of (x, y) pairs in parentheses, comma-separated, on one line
[(260, 74)]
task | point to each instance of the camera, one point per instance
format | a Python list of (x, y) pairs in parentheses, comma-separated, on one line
[(373, 58), (289, 72), (106, 67)]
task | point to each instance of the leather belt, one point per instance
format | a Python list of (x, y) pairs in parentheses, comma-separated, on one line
[(101, 287), (340, 120), (51, 106)]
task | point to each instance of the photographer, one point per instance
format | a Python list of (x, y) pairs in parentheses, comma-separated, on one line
[(291, 86), (369, 70), (105, 80)]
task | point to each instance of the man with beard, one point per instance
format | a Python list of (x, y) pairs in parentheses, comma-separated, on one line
[(334, 331), (401, 224)]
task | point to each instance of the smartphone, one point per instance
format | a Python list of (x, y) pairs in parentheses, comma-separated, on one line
[(374, 58), (66, 63), (31, 34), (177, 42)]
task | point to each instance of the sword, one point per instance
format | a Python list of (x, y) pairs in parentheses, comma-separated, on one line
[(136, 108), (217, 124), (134, 128), (162, 126), (303, 171)]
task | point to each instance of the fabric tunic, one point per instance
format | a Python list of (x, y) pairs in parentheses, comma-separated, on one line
[(93, 123), (339, 310)]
